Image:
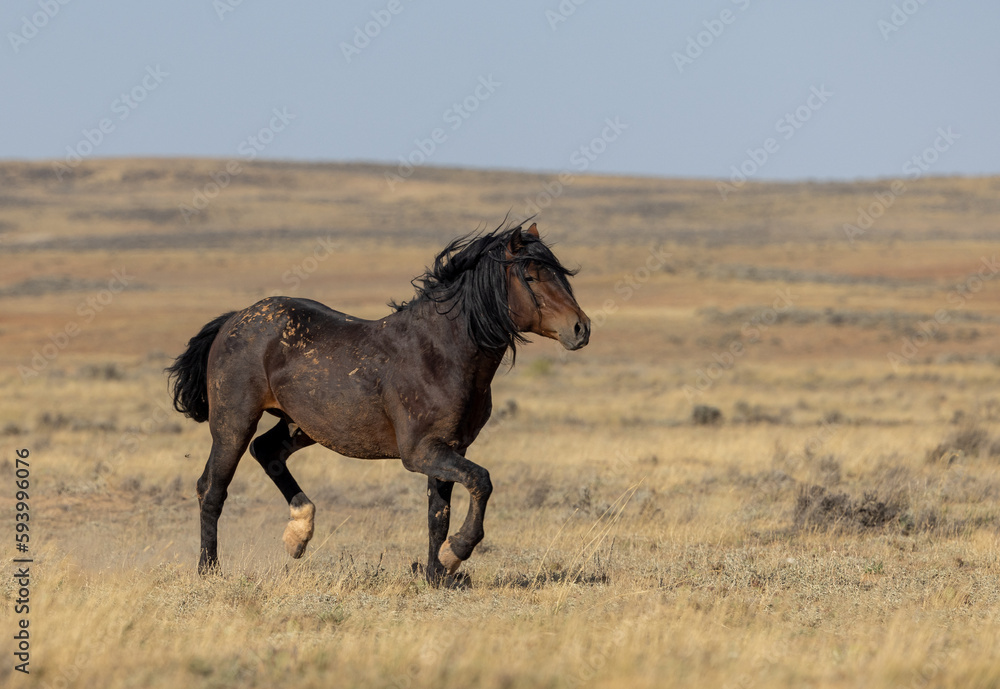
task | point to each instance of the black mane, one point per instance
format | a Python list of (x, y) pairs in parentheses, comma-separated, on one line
[(469, 280)]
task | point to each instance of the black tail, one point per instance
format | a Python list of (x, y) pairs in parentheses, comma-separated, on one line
[(189, 374)]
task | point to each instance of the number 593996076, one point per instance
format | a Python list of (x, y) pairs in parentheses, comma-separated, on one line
[(22, 482)]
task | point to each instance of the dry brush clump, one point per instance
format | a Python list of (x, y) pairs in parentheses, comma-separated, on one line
[(967, 442), (106, 371), (818, 508), (705, 415), (746, 413), (945, 501), (58, 421)]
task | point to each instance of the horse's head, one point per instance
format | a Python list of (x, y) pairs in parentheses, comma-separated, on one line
[(539, 296)]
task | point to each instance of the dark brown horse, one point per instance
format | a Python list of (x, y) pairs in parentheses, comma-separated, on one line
[(414, 385)]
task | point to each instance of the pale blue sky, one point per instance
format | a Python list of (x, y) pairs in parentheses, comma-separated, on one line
[(551, 89)]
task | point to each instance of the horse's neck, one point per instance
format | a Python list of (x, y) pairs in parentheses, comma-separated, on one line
[(453, 329)]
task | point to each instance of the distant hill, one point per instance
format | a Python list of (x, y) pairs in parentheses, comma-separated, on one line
[(146, 203)]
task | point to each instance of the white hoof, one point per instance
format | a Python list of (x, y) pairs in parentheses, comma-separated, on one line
[(448, 558), (300, 528)]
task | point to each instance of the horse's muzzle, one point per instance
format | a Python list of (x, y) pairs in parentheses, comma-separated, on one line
[(578, 337)]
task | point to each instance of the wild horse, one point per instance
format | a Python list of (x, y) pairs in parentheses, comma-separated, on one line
[(414, 385)]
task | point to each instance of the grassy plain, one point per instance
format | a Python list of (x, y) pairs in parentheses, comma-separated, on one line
[(837, 525)]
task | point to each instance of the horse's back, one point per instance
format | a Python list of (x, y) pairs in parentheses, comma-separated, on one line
[(323, 369), (276, 322), (280, 311)]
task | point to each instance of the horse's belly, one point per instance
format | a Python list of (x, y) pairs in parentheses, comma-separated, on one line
[(361, 438), (333, 395), (351, 425)]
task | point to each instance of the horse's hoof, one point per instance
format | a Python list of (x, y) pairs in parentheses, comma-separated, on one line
[(461, 580), (299, 530), (294, 545), (448, 558)]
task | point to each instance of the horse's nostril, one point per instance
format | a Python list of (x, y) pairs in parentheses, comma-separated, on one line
[(577, 328)]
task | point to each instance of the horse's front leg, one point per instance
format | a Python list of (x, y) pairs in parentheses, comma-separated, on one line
[(442, 463), (438, 520)]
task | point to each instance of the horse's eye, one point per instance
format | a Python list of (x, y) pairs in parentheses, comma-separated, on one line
[(529, 278)]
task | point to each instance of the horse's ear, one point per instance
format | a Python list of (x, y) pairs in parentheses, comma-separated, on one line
[(516, 243), (517, 240)]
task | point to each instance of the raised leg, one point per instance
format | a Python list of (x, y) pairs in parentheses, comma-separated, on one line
[(442, 463), (272, 450), (229, 442), (438, 520)]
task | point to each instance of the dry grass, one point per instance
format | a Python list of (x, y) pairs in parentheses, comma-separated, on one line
[(835, 524)]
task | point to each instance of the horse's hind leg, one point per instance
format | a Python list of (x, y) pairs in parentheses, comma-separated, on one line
[(272, 450), (231, 432)]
